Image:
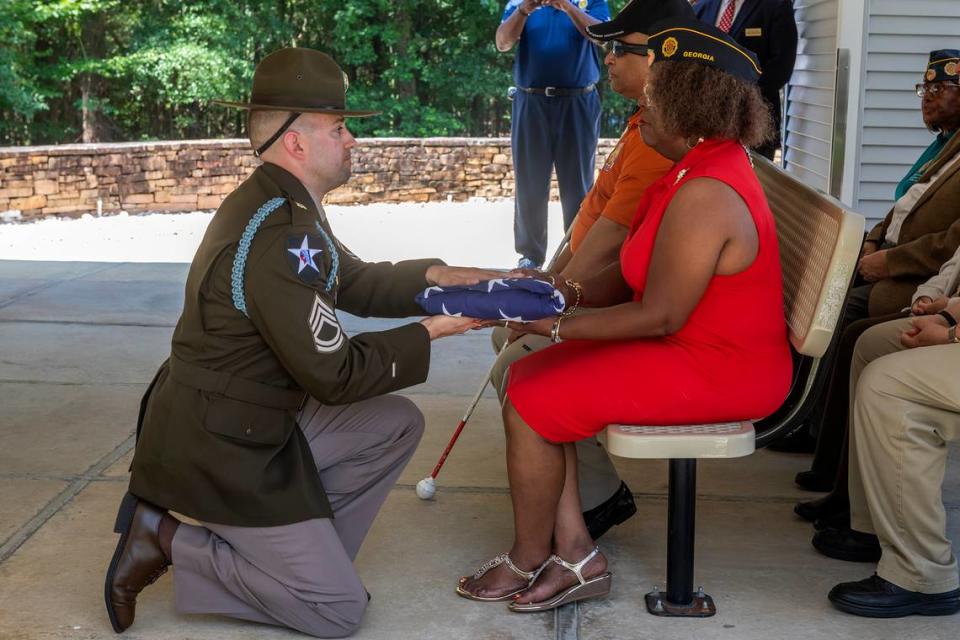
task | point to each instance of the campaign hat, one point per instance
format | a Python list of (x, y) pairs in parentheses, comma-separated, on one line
[(299, 80)]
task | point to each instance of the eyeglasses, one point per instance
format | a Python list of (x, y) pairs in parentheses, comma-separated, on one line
[(620, 49), (935, 88)]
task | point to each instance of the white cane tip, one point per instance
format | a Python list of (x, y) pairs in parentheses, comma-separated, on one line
[(426, 489)]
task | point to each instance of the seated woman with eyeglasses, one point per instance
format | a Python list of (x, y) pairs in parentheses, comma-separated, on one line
[(688, 328)]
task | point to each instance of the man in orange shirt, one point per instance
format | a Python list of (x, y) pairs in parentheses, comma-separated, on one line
[(599, 230)]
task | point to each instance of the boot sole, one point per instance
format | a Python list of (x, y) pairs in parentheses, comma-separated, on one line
[(122, 526), (927, 608)]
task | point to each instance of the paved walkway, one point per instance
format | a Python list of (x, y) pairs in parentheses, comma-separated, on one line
[(79, 342)]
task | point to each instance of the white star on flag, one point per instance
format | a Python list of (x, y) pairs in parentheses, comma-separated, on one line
[(499, 281), (447, 313), (506, 317), (426, 292), (305, 255)]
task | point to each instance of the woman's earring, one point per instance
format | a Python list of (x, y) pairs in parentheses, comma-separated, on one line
[(691, 146)]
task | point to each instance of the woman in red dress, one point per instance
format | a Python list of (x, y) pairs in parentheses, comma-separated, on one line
[(689, 328)]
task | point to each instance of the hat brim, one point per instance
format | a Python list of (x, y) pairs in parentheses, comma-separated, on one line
[(347, 113), (610, 30)]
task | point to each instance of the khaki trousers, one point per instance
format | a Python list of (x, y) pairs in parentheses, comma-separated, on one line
[(301, 575), (904, 408), (598, 479)]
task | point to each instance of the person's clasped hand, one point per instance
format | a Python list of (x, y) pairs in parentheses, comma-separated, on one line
[(925, 332), (926, 306), (873, 266)]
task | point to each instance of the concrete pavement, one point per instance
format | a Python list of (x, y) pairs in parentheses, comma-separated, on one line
[(80, 341)]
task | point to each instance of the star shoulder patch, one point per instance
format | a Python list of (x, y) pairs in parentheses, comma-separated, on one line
[(303, 256)]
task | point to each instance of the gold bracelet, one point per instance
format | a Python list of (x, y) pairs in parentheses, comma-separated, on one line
[(579, 291)]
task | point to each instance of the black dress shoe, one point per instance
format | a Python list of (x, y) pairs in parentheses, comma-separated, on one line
[(813, 481), (137, 562), (615, 510), (822, 508), (879, 598), (847, 544), (839, 521)]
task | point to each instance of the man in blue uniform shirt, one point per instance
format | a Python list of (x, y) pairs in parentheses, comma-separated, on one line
[(556, 111)]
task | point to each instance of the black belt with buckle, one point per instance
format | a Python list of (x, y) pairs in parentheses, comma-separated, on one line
[(558, 92)]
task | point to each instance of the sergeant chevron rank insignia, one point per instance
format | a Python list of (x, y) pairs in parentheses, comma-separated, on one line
[(302, 256), (326, 330)]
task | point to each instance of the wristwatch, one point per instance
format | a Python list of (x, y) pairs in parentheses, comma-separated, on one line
[(946, 315), (952, 335)]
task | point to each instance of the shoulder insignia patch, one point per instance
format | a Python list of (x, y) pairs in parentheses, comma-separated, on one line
[(302, 250), (324, 326)]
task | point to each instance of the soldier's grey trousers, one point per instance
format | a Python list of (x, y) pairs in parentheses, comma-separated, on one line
[(597, 476), (301, 575)]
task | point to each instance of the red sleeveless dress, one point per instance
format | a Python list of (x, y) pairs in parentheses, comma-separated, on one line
[(730, 361)]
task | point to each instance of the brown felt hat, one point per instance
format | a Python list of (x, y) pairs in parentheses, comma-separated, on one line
[(299, 80)]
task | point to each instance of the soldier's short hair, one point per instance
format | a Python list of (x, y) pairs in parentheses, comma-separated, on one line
[(262, 124)]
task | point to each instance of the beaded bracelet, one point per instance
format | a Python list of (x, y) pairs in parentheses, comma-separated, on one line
[(579, 291)]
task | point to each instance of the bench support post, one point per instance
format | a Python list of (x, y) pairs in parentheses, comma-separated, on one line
[(680, 599)]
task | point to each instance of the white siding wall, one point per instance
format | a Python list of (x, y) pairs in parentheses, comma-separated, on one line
[(900, 35), (810, 94)]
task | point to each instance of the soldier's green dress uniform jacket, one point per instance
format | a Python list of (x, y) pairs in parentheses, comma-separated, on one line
[(218, 439)]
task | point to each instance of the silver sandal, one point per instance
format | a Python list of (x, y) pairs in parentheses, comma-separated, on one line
[(595, 587), (503, 558)]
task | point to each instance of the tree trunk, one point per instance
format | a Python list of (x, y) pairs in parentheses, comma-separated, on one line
[(91, 84)]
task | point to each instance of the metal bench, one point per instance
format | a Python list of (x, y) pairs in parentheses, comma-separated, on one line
[(819, 244)]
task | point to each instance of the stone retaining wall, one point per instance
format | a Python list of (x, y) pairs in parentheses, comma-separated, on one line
[(196, 174)]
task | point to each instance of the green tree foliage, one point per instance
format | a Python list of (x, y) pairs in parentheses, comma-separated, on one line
[(93, 70)]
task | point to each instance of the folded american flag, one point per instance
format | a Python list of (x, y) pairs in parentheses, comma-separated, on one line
[(519, 299)]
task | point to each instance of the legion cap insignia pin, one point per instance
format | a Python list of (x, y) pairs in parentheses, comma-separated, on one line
[(931, 75), (583, 4), (950, 69), (670, 46)]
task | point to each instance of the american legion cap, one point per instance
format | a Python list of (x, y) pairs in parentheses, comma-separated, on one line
[(944, 65), (695, 41), (638, 16)]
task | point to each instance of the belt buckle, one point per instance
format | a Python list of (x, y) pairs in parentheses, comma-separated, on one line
[(550, 92)]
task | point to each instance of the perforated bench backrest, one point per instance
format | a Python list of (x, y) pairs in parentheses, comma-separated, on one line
[(819, 245)]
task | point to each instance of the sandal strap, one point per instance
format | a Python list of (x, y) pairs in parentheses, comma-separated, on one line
[(504, 558), (576, 568)]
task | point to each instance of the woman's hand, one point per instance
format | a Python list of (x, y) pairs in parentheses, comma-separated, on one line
[(926, 331), (444, 276), (540, 327), (924, 306), (443, 326)]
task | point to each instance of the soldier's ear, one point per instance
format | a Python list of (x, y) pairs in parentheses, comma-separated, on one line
[(293, 144)]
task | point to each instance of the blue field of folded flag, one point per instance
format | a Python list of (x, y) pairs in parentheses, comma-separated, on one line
[(518, 299)]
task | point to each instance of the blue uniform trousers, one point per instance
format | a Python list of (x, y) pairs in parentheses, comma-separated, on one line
[(548, 132)]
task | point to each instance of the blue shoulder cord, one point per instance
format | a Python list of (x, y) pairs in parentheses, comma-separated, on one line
[(243, 250)]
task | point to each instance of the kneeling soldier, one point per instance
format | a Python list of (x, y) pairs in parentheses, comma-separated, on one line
[(268, 424)]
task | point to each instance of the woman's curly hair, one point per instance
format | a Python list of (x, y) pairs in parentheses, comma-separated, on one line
[(696, 101)]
